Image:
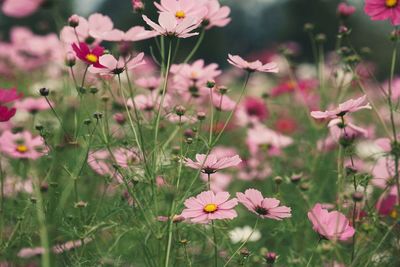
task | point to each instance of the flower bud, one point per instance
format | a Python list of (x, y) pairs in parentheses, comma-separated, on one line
[(98, 115), (210, 84), (308, 27), (119, 118), (270, 257), (70, 59), (73, 21), (201, 115), (320, 38), (180, 110), (278, 180), (357, 196), (44, 91), (222, 90), (296, 177), (138, 6), (244, 252)]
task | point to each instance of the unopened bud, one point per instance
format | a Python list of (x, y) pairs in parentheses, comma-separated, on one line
[(180, 110), (270, 257), (73, 21), (70, 59), (44, 91), (358, 196), (201, 115), (210, 84)]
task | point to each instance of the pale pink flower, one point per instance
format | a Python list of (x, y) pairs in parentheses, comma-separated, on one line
[(20, 8), (196, 73), (348, 106), (218, 182), (212, 163), (169, 25), (149, 102), (134, 34), (254, 169), (22, 145), (112, 66), (269, 208), (182, 9), (383, 172), (150, 83), (216, 16), (260, 135), (32, 105), (331, 225), (208, 206), (257, 65), (174, 118), (96, 27), (15, 185), (347, 130), (222, 102)]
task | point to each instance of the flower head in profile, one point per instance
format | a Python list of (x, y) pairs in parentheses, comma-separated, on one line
[(331, 225), (253, 66), (212, 163), (88, 55), (112, 66), (169, 25), (383, 10), (22, 145), (208, 206), (348, 106), (216, 16), (254, 201), (20, 8)]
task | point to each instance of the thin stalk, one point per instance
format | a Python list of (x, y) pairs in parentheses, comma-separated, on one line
[(196, 47)]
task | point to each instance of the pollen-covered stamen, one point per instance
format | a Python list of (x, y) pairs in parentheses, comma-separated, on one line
[(261, 211), (210, 208), (22, 148), (91, 58), (180, 14), (391, 3)]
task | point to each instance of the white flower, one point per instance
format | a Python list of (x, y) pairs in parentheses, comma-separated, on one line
[(239, 234), (369, 150)]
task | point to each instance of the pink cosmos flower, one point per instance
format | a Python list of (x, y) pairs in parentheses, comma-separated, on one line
[(383, 10), (344, 10), (212, 163), (348, 106), (257, 65), (149, 83), (112, 66), (149, 102), (182, 9), (216, 15), (218, 181), (208, 206), (251, 111), (22, 145), (196, 73), (169, 25), (33, 105), (348, 130), (260, 135), (95, 29), (90, 56), (20, 8), (254, 168), (134, 34), (254, 201), (223, 102), (331, 225)]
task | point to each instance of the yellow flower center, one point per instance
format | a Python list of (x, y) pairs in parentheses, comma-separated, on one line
[(91, 58), (180, 14), (22, 148), (393, 214), (391, 3), (210, 208)]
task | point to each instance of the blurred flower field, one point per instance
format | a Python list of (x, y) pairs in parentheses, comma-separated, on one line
[(113, 156)]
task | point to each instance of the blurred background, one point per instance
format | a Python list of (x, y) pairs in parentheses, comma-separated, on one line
[(256, 25)]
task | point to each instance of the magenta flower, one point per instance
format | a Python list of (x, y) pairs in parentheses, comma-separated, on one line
[(22, 145), (169, 25), (344, 10), (253, 110), (7, 96), (254, 201), (383, 10), (349, 106), (208, 206), (212, 163), (90, 56), (257, 65), (112, 66), (331, 225), (6, 113)]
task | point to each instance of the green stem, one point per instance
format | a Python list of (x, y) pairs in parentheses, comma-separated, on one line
[(196, 47), (215, 244)]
